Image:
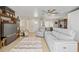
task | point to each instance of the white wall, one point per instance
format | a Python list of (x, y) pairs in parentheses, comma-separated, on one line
[(73, 22)]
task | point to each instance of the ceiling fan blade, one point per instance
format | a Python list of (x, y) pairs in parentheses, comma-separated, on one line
[(53, 10), (44, 11)]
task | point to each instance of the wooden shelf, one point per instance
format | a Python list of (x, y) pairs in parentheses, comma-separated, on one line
[(7, 16), (12, 20)]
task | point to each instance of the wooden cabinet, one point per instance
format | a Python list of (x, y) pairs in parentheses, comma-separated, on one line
[(61, 23), (8, 25)]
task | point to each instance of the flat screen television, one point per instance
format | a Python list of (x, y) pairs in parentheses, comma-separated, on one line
[(9, 29)]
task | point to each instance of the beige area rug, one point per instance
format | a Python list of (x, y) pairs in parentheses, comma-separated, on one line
[(28, 44)]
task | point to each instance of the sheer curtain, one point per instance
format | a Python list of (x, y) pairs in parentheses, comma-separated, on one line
[(48, 24)]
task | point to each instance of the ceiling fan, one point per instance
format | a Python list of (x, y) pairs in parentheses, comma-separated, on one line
[(50, 11)]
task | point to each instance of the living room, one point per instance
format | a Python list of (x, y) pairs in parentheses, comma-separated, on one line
[(39, 29)]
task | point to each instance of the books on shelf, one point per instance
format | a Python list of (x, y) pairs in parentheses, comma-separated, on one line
[(6, 11), (5, 18)]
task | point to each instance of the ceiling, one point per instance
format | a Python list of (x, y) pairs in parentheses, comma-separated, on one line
[(30, 10)]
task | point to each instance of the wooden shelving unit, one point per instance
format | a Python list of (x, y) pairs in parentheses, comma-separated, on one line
[(8, 22), (62, 23)]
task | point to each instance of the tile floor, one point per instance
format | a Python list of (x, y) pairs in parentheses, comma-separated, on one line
[(27, 44)]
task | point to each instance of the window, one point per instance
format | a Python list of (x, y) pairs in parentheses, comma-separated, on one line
[(48, 24)]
